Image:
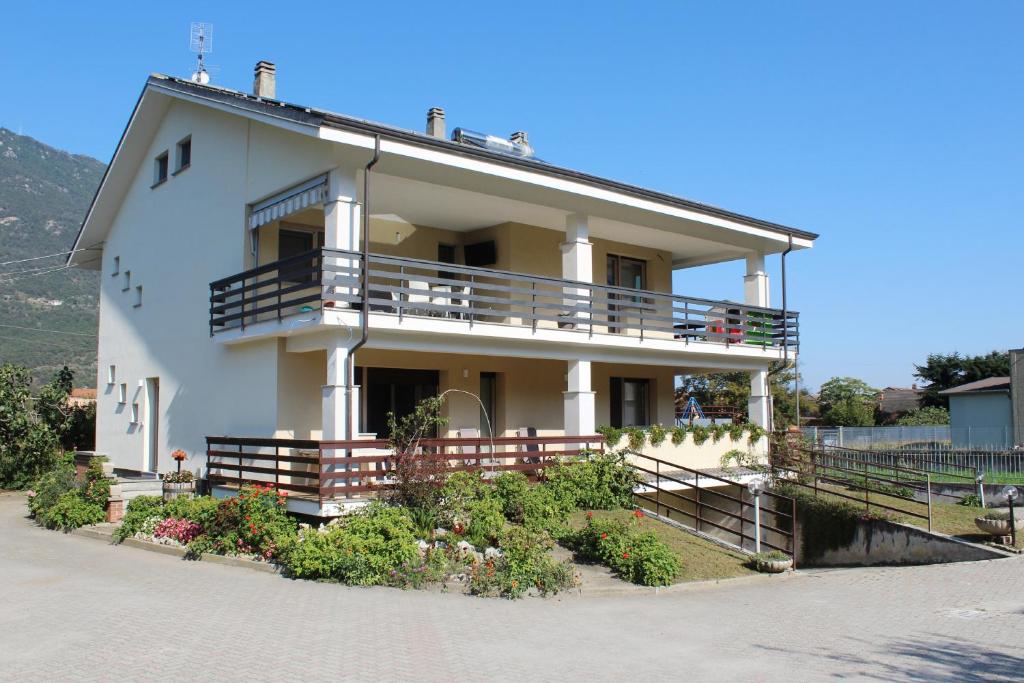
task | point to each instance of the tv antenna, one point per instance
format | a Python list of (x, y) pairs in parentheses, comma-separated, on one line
[(200, 41)]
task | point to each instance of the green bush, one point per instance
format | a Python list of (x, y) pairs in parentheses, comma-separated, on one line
[(636, 555), (612, 436), (365, 548), (202, 509), (139, 510), (96, 488), (700, 434), (656, 433), (252, 523), (971, 500), (525, 563), (535, 506), (71, 511), (52, 485), (29, 447), (601, 482), (678, 434)]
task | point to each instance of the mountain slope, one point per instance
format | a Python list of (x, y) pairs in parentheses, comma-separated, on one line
[(44, 194)]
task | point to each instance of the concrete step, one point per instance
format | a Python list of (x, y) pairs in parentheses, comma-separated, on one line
[(133, 488)]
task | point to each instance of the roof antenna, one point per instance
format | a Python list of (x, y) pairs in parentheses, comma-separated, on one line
[(200, 41)]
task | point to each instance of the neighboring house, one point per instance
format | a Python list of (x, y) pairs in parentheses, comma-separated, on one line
[(228, 230), (82, 397), (893, 403), (981, 413)]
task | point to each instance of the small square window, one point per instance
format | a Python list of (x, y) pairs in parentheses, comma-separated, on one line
[(138, 296), (127, 281), (135, 413), (160, 169), (111, 374), (117, 265), (183, 155), (122, 393)]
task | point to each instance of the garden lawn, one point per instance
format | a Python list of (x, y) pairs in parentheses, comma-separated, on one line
[(701, 559)]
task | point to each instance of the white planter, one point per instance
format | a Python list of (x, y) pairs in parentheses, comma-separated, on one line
[(997, 527), (774, 566)]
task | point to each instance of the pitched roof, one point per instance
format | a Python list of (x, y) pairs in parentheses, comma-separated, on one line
[(987, 384)]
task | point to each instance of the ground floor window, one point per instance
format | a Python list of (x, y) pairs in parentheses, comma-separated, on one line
[(393, 390), (630, 402), (489, 401)]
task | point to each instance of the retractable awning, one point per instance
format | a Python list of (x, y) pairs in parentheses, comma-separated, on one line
[(297, 198)]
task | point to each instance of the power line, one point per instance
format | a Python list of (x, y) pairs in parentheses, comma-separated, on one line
[(31, 341), (60, 253), (14, 277), (40, 329)]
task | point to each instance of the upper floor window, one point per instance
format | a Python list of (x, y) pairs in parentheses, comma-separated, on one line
[(138, 296), (160, 169), (117, 265), (183, 157), (127, 284)]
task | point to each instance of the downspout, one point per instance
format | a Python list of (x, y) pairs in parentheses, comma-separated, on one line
[(785, 345), (364, 281)]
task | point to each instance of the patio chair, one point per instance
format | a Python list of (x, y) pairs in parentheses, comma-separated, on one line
[(530, 432), (419, 299)]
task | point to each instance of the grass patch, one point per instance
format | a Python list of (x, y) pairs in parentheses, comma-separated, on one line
[(701, 560)]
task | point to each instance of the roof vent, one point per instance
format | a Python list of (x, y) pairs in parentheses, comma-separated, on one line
[(435, 122), (265, 82), (516, 147)]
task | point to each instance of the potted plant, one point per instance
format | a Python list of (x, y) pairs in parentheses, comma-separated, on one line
[(771, 562), (180, 483), (997, 522)]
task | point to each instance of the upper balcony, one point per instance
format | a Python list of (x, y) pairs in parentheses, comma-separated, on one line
[(321, 288)]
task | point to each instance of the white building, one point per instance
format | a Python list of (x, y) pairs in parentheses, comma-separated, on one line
[(228, 230)]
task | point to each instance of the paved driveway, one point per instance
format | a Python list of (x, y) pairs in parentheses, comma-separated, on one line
[(76, 608)]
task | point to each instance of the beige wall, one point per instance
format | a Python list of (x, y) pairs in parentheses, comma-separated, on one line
[(301, 377)]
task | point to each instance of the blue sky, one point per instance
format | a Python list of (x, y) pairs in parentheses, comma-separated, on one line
[(893, 129)]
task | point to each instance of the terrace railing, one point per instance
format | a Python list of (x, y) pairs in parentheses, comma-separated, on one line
[(363, 468), (330, 278)]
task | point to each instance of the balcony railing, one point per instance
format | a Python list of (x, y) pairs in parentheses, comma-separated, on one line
[(329, 278)]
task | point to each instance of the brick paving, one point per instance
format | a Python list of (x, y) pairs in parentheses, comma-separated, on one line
[(77, 609)]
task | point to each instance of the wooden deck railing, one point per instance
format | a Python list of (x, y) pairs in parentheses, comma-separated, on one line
[(362, 468), (327, 278)]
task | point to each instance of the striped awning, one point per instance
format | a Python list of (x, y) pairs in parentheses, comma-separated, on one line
[(297, 198)]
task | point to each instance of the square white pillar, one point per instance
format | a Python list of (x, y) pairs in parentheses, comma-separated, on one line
[(341, 227), (577, 260), (335, 401), (755, 283), (759, 406), (579, 400)]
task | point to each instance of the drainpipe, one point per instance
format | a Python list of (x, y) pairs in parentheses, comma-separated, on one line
[(364, 279)]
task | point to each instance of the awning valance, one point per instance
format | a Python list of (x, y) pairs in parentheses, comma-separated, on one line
[(297, 198)]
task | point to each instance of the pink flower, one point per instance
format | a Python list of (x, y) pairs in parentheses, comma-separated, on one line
[(30, 493)]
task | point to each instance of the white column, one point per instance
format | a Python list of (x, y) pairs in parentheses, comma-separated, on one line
[(341, 224), (755, 283), (579, 400), (577, 257), (755, 293), (334, 404)]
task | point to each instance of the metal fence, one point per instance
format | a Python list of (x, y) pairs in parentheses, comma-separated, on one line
[(971, 438)]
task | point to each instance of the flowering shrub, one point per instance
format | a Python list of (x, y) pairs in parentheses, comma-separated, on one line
[(252, 523), (183, 477), (634, 553), (366, 548), (60, 502), (524, 563), (181, 530), (140, 510)]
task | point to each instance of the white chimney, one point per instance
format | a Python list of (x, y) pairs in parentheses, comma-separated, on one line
[(520, 137), (435, 122), (265, 83)]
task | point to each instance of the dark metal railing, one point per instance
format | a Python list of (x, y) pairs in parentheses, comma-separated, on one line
[(716, 506), (327, 278)]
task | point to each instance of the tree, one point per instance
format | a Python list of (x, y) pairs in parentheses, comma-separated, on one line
[(75, 426), (847, 402), (945, 371), (732, 389), (929, 415), (28, 447)]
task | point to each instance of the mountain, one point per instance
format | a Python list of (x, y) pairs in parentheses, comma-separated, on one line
[(44, 194)]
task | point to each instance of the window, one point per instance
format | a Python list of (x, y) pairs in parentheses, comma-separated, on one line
[(183, 157), (111, 374), (135, 413), (630, 402), (489, 401), (138, 296), (160, 169), (446, 254), (117, 265), (122, 393), (294, 243), (127, 284)]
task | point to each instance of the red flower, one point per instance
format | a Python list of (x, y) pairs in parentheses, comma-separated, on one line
[(604, 536), (638, 513), (248, 517), (590, 515), (625, 556)]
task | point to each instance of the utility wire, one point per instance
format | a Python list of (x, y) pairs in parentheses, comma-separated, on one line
[(31, 341), (40, 329), (60, 253)]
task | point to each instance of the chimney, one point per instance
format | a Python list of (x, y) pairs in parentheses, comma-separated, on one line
[(265, 83), (435, 122), (520, 137)]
